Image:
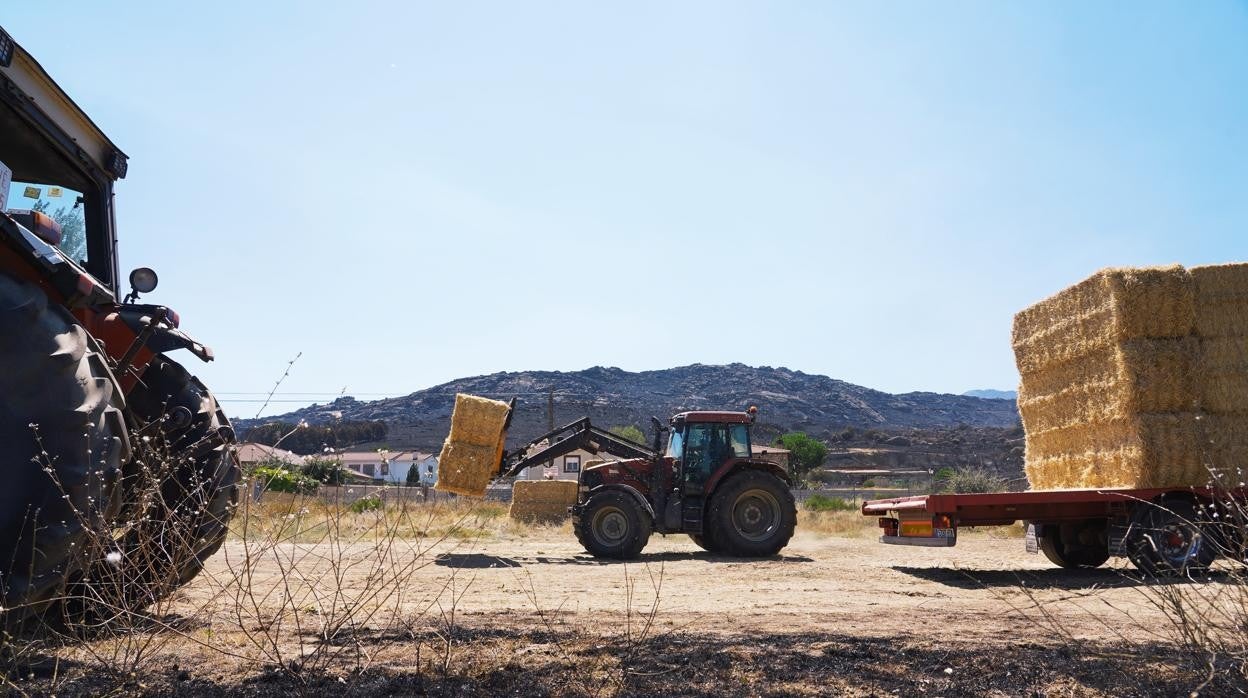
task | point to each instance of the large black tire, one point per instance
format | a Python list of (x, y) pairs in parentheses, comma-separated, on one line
[(181, 491), (705, 540), (1167, 538), (1075, 545), (613, 525), (752, 514), (63, 441)]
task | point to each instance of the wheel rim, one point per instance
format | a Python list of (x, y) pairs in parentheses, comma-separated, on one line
[(610, 526), (1178, 545), (756, 515)]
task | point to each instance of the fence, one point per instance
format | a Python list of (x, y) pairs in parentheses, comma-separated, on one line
[(346, 494)]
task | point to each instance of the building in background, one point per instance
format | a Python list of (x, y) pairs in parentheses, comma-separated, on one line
[(391, 467)]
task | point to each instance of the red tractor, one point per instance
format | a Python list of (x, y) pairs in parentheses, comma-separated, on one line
[(702, 481), (117, 461)]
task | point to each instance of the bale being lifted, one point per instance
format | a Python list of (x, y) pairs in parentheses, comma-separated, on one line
[(474, 449), (1133, 378)]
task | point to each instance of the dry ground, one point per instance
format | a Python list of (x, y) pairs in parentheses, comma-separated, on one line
[(522, 610)]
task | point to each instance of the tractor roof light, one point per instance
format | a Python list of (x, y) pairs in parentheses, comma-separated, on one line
[(142, 280), (118, 163), (7, 49)]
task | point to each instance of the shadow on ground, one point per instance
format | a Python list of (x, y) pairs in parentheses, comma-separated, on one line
[(476, 561), (1055, 578)]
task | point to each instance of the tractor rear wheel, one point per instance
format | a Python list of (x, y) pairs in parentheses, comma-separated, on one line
[(63, 441), (752, 514), (613, 525), (181, 490)]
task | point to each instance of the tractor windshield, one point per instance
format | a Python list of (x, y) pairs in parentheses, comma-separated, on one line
[(675, 444), (63, 205)]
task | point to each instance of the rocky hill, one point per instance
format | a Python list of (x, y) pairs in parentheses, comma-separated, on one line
[(787, 400)]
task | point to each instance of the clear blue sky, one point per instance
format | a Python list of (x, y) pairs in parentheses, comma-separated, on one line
[(409, 193)]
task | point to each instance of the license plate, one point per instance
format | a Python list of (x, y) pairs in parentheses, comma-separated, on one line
[(945, 533)]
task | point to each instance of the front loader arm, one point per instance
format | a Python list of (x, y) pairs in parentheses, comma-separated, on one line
[(566, 439)]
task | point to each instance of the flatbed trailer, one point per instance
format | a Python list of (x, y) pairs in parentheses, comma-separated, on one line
[(1161, 530)]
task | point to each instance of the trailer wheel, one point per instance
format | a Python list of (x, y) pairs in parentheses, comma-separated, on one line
[(752, 514), (612, 525), (1074, 546), (62, 443), (1167, 539)]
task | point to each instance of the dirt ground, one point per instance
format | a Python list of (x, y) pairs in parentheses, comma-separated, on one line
[(535, 615)]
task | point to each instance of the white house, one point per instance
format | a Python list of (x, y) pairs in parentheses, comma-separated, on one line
[(391, 466), (564, 467)]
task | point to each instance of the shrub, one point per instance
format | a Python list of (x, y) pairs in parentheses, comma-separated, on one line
[(974, 481), (819, 502), (282, 480), (869, 482), (323, 470), (369, 503)]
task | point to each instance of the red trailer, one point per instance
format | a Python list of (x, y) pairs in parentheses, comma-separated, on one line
[(1162, 531)]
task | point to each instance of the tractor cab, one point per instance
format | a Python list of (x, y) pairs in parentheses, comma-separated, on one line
[(701, 444)]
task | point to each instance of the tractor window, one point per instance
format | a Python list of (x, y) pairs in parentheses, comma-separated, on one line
[(676, 445), (706, 449), (63, 205), (739, 435)]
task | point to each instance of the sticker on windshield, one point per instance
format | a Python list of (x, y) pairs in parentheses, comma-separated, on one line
[(32, 192), (55, 192)]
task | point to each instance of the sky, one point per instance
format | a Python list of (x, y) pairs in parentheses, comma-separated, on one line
[(404, 193)]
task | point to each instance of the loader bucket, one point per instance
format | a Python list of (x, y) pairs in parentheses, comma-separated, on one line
[(473, 452)]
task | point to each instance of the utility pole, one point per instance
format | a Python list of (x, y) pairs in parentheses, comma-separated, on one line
[(550, 417), (550, 409)]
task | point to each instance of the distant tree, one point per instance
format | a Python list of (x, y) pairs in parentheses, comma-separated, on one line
[(314, 439), (630, 432), (413, 475), (805, 453)]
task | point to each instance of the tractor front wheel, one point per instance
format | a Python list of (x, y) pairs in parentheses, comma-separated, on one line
[(613, 525), (752, 515), (62, 443)]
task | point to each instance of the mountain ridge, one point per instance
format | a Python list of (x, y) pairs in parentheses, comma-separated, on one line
[(787, 400)]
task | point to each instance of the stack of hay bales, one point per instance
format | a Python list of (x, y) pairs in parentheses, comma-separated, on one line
[(472, 453), (542, 501), (1222, 325), (1129, 378)]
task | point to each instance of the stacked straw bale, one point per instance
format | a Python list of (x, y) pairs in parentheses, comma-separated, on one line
[(1222, 324), (471, 455), (542, 501), (1135, 378)]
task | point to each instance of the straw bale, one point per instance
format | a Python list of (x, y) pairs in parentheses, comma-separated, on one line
[(542, 500), (1221, 300), (477, 420), (1224, 375), (465, 468)]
